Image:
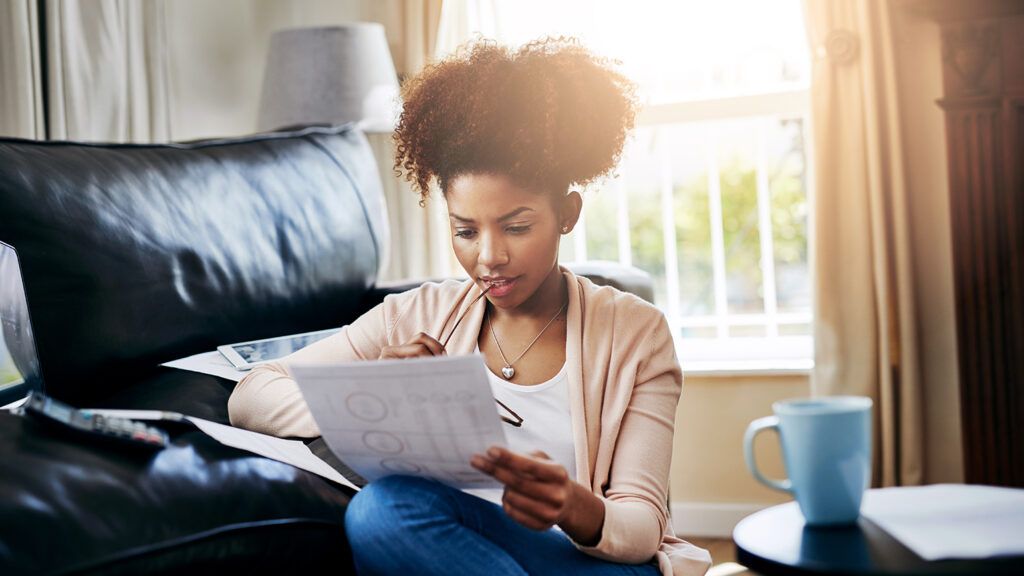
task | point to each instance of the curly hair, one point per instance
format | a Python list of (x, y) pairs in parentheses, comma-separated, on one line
[(548, 115)]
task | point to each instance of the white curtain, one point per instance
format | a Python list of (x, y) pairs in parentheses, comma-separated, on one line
[(107, 70), (21, 98), (865, 341)]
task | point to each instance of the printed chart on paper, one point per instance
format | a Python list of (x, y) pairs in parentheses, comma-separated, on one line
[(421, 417)]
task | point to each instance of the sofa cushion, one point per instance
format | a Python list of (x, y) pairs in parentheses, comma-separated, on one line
[(71, 506), (137, 254)]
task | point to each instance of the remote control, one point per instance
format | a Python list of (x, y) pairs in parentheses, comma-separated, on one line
[(86, 424)]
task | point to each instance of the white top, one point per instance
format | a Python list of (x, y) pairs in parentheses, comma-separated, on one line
[(546, 425)]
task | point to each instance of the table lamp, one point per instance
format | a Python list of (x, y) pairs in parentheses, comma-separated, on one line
[(333, 75)]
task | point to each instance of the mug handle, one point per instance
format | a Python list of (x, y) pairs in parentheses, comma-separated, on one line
[(753, 430)]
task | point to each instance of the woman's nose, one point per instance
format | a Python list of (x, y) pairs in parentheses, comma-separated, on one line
[(493, 251)]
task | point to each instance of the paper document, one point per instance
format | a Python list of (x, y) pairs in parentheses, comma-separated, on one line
[(212, 363), (421, 416), (946, 521), (293, 452)]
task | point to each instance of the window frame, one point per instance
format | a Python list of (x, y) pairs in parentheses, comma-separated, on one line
[(774, 353)]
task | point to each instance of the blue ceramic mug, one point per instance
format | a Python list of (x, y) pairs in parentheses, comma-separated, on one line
[(826, 446)]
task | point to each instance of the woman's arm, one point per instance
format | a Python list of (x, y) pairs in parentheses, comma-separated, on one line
[(268, 400), (635, 497)]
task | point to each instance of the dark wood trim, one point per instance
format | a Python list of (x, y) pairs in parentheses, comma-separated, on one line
[(955, 10), (983, 103)]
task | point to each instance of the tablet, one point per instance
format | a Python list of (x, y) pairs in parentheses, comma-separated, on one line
[(245, 355)]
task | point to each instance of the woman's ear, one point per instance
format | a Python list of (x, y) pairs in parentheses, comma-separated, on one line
[(569, 211)]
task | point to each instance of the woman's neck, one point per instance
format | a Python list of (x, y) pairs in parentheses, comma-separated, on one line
[(542, 304)]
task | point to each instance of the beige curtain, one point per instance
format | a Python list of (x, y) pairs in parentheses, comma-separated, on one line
[(107, 70), (420, 21), (419, 245), (864, 309), (21, 98), (420, 242)]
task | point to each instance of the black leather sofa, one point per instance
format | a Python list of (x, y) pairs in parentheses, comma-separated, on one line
[(133, 255)]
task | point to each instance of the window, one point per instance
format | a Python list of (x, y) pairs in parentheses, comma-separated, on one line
[(712, 194)]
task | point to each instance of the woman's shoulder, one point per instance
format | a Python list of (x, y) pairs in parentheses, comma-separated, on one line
[(429, 293), (608, 301), (623, 321)]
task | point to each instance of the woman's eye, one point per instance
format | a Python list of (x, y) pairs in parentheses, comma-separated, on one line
[(518, 229), (464, 233)]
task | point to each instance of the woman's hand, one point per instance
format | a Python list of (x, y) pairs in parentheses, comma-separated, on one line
[(540, 494), (422, 344)]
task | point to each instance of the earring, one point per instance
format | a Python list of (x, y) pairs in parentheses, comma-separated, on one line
[(565, 229)]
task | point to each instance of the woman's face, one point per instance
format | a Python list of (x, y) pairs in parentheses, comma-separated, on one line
[(504, 236)]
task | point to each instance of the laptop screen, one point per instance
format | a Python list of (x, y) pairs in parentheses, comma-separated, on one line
[(19, 365)]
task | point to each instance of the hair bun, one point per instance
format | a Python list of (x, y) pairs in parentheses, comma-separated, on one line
[(548, 115)]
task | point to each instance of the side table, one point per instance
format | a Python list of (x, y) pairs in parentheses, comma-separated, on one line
[(775, 541)]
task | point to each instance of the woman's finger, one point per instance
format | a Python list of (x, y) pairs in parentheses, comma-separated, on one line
[(539, 510), (422, 344), (541, 469), (431, 343), (552, 493), (525, 519), (530, 487), (405, 351)]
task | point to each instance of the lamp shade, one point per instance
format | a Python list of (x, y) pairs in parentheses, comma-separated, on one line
[(331, 75)]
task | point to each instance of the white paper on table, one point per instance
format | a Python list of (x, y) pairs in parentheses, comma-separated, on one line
[(420, 416), (293, 452), (945, 521), (212, 363)]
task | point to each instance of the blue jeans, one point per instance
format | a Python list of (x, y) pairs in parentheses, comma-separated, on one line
[(409, 525)]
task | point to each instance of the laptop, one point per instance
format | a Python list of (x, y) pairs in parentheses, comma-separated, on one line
[(19, 364)]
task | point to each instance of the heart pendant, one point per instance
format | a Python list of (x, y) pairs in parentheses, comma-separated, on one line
[(508, 372)]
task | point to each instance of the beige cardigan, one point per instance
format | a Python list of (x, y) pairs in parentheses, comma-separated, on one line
[(624, 384)]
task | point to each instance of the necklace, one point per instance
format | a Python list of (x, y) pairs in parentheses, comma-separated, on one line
[(508, 371)]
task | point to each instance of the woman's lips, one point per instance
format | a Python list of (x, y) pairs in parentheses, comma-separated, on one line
[(500, 288)]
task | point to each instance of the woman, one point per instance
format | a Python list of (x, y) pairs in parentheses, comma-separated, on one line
[(591, 370)]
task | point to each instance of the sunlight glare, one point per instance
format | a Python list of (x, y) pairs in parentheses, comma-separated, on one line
[(676, 50)]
